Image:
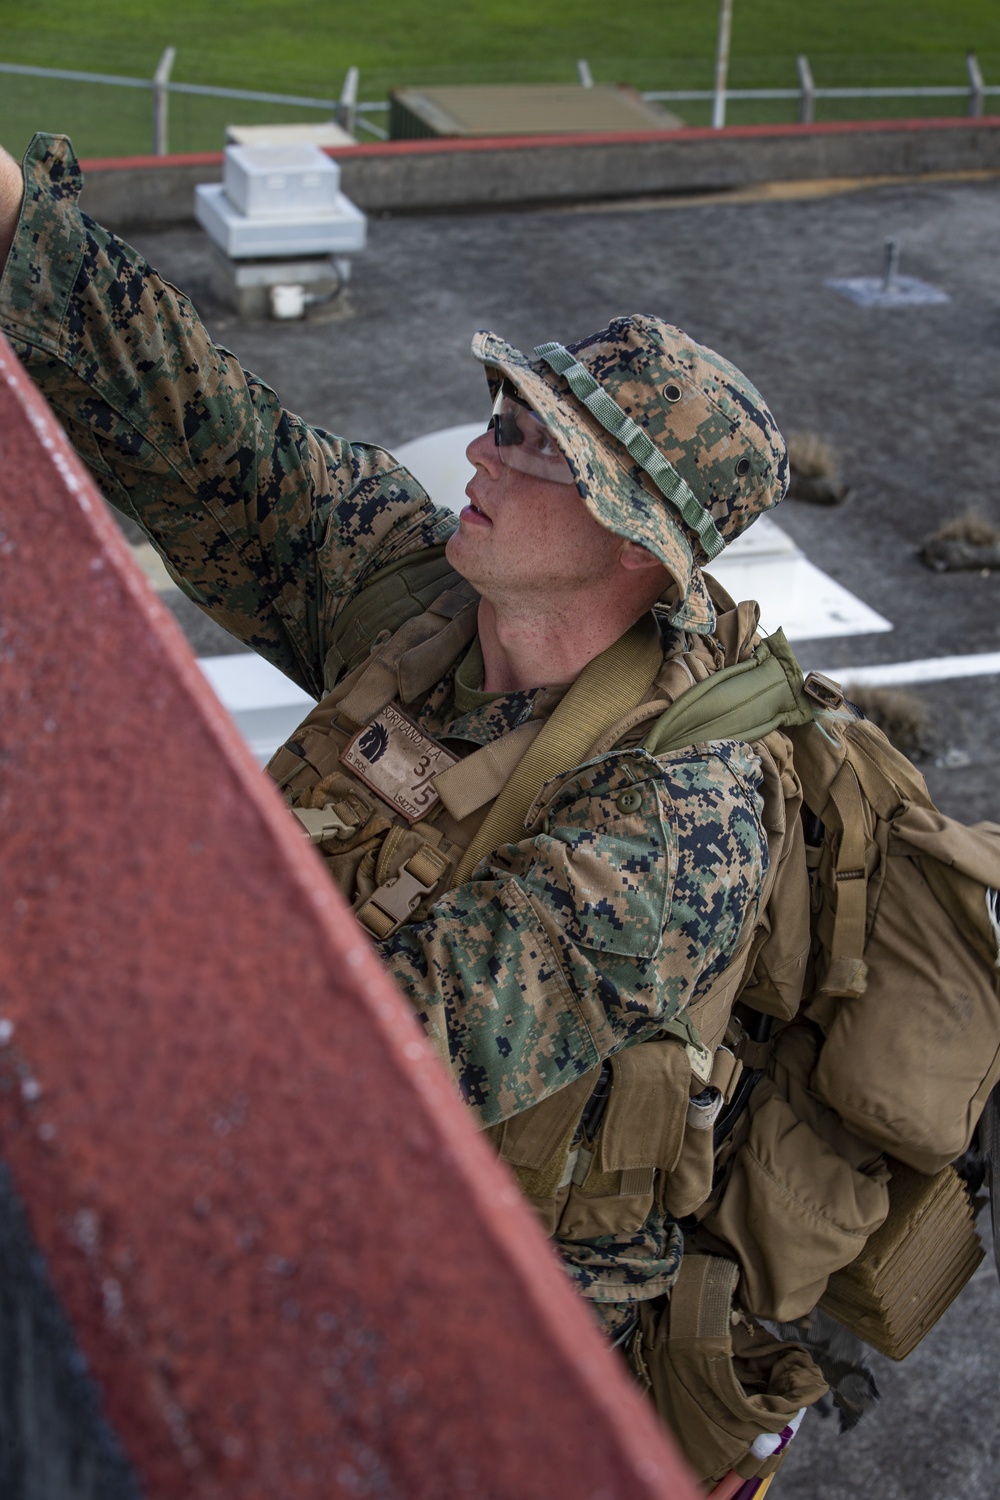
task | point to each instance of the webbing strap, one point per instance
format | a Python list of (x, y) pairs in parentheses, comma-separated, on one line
[(608, 687), (701, 1301), (392, 903), (470, 783), (847, 974), (638, 444)]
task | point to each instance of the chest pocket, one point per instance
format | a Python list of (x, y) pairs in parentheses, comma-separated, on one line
[(605, 856)]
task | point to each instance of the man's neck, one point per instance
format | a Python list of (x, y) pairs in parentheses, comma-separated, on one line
[(532, 649)]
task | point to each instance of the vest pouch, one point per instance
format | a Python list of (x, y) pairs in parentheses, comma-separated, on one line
[(910, 1063), (317, 748), (537, 1146), (685, 1188), (719, 1381), (794, 1209), (613, 1179)]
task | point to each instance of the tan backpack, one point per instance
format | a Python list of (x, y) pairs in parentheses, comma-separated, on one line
[(882, 927), (876, 957)]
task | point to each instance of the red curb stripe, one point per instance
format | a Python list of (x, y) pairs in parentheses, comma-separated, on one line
[(536, 142)]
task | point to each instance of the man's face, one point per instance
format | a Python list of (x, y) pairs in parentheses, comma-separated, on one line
[(523, 536)]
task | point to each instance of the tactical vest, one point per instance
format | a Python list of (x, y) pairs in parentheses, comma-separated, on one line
[(394, 840)]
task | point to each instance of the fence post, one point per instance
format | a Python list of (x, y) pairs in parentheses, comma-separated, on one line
[(807, 95), (976, 85), (583, 69), (722, 64), (348, 100), (161, 94)]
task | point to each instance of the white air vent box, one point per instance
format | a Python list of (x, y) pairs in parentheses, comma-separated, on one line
[(281, 182), (341, 230)]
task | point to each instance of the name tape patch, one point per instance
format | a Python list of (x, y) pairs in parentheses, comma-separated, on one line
[(397, 761)]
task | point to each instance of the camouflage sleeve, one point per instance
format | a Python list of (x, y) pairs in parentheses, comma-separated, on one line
[(624, 902), (267, 523)]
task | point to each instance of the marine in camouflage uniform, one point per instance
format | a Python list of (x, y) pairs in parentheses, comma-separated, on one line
[(622, 899)]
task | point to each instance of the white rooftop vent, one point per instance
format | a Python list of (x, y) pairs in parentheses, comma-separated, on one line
[(272, 182), (279, 202)]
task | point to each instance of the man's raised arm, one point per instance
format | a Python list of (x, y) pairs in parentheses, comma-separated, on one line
[(268, 523), (11, 190)]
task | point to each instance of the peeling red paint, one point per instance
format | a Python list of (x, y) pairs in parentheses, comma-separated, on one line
[(293, 1267)]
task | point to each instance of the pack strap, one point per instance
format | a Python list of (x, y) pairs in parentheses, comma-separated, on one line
[(608, 687), (847, 973), (637, 443), (388, 907), (701, 1302), (742, 702), (470, 783)]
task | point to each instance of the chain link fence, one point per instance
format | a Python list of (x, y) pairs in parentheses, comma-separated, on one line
[(131, 114)]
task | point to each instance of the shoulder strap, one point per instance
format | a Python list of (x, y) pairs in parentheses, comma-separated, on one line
[(416, 655), (742, 702), (607, 688), (389, 598)]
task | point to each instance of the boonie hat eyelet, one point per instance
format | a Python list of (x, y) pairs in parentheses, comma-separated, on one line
[(743, 467), (672, 392)]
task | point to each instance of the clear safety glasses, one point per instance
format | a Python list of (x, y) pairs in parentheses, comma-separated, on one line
[(524, 441)]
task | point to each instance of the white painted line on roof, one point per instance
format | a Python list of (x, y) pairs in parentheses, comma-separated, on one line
[(245, 681), (930, 669), (794, 594)]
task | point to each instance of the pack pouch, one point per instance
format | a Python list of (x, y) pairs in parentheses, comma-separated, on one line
[(718, 1379), (803, 1192), (910, 1062)]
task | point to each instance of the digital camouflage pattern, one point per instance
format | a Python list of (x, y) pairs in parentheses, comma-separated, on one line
[(698, 410), (592, 931), (578, 940), (267, 523), (614, 1272)]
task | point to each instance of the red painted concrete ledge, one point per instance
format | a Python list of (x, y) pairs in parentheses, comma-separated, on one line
[(295, 1270), (431, 147)]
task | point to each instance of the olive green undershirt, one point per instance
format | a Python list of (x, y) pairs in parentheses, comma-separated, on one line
[(468, 693)]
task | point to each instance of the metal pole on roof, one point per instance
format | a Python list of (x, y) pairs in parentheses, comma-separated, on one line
[(161, 100), (722, 64), (976, 85), (890, 266)]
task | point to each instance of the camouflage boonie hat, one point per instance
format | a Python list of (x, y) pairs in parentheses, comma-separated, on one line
[(670, 445)]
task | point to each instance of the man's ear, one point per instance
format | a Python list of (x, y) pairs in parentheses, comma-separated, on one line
[(635, 558)]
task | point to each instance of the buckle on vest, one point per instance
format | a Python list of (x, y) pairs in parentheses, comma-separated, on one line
[(388, 907), (823, 690), (322, 823)]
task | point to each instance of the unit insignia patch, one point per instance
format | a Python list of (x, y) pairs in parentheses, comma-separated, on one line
[(397, 761)]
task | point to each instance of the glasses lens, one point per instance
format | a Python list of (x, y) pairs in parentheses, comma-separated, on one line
[(525, 442)]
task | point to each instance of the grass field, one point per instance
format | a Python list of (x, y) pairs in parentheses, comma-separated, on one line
[(305, 48)]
